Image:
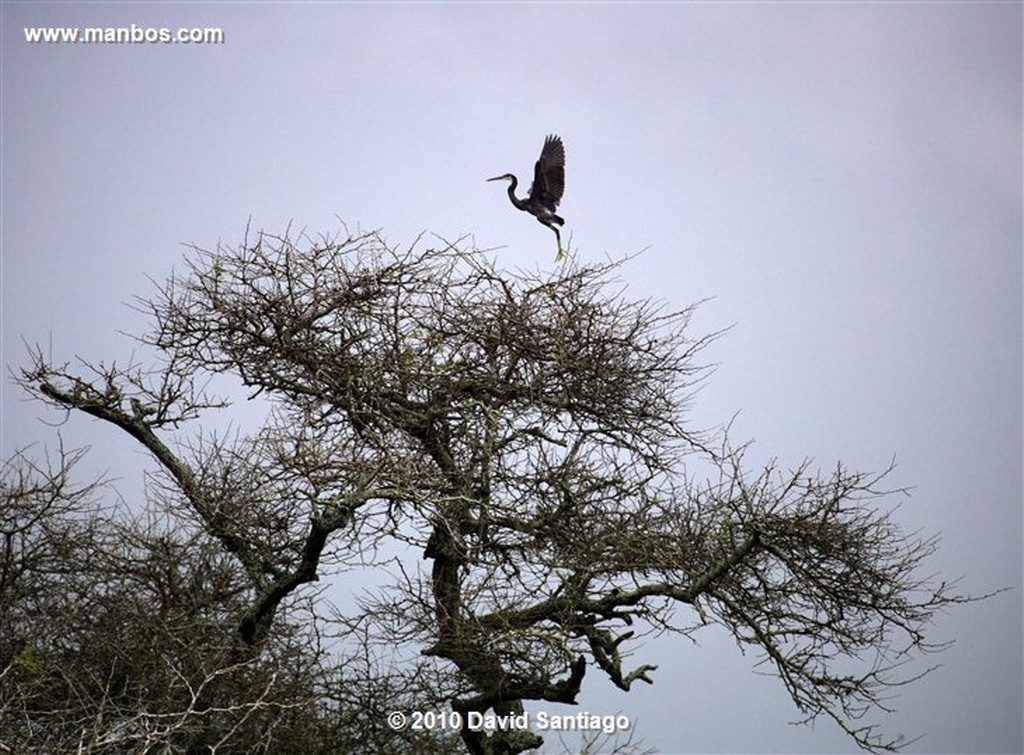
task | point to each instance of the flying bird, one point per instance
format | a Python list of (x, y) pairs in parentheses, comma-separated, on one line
[(546, 191)]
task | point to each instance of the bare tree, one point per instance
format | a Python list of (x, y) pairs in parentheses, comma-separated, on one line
[(118, 633), (525, 434)]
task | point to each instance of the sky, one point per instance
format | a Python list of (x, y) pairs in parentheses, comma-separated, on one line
[(841, 182)]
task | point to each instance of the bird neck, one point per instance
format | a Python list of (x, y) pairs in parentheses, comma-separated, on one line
[(512, 184)]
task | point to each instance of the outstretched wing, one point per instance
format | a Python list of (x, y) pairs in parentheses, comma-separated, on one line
[(549, 174)]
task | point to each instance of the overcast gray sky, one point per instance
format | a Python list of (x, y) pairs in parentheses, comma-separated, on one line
[(843, 179)]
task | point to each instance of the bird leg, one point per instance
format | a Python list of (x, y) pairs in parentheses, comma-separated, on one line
[(552, 223)]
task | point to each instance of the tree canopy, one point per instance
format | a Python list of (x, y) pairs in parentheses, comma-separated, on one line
[(509, 452)]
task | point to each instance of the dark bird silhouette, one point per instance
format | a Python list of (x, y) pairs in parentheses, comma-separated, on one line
[(546, 191)]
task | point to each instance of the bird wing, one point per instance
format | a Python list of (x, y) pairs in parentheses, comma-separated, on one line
[(549, 173)]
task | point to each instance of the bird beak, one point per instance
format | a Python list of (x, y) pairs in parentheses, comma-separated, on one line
[(496, 178)]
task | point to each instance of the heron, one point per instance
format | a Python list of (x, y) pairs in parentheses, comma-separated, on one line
[(546, 191)]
